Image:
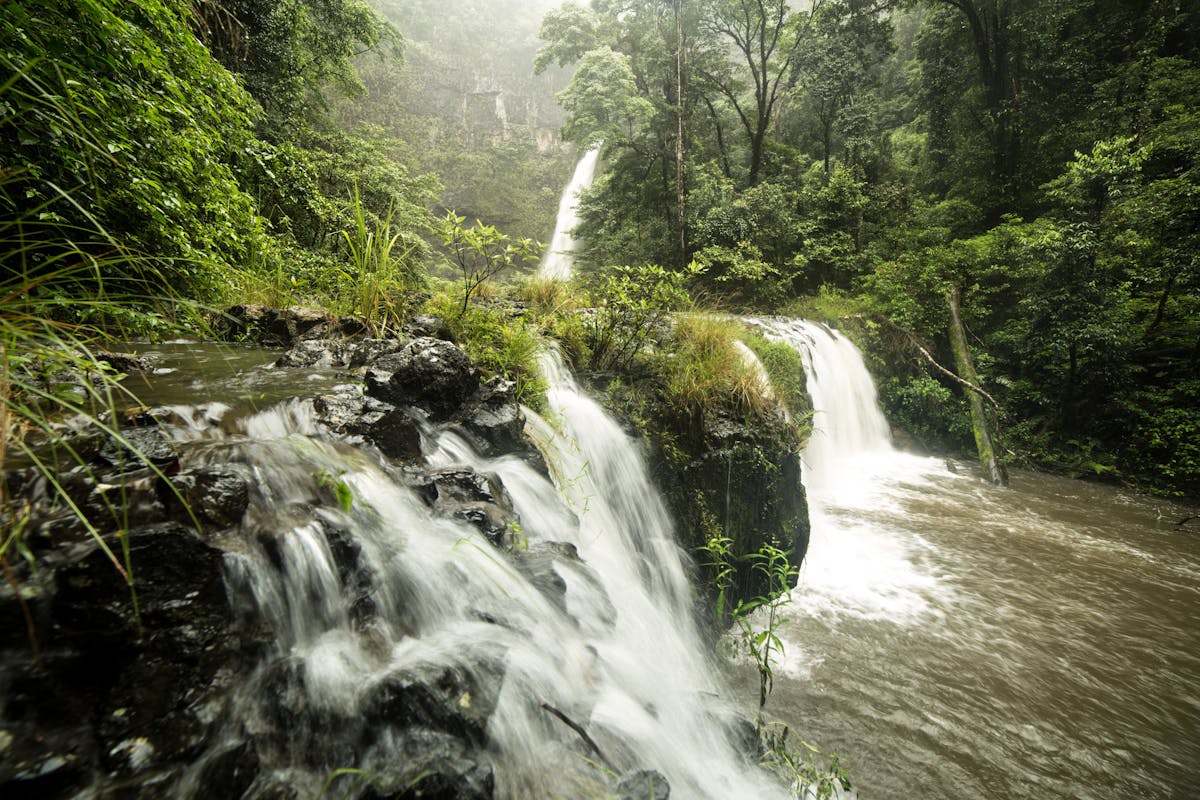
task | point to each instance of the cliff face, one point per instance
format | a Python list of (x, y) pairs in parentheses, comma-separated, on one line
[(725, 476)]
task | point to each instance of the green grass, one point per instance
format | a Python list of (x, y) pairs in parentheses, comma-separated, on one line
[(501, 340), (707, 372)]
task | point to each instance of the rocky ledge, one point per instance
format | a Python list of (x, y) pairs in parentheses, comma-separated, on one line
[(139, 689)]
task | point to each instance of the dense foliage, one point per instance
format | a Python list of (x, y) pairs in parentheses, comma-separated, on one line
[(194, 135), (1032, 165), (1023, 175)]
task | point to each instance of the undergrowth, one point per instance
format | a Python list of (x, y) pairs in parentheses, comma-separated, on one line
[(499, 338)]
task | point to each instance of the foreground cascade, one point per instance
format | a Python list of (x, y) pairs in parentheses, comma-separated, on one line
[(440, 624)]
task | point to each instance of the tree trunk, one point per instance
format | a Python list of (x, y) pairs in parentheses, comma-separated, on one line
[(965, 366), (680, 195)]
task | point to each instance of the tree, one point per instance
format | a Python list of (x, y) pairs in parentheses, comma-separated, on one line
[(603, 103), (481, 252), (766, 36), (289, 52)]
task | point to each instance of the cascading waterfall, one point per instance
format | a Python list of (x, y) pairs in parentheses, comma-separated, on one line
[(398, 629), (957, 639), (847, 422), (559, 260), (851, 567)]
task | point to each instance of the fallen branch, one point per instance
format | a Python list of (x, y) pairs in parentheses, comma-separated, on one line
[(967, 384), (583, 734)]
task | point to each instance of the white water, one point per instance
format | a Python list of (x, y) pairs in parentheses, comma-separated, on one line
[(367, 602), (954, 640), (559, 261)]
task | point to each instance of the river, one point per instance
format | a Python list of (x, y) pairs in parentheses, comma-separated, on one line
[(951, 639)]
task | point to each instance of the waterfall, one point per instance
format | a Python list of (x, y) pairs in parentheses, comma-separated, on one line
[(852, 568), (558, 262), (847, 423), (546, 666)]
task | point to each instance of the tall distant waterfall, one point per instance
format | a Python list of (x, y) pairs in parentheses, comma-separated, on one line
[(558, 263)]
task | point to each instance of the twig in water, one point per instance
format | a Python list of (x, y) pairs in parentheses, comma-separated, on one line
[(575, 726)]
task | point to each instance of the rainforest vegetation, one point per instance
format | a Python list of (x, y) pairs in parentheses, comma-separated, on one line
[(1018, 177)]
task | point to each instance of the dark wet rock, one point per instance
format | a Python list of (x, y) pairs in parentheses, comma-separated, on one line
[(33, 769), (394, 432), (275, 327), (341, 410), (348, 413), (646, 784), (294, 728), (473, 497), (537, 561), (495, 418), (434, 766), (140, 445), (270, 327), (316, 353), (757, 468), (108, 501), (367, 351), (430, 373), (118, 696), (741, 733), (180, 592), (124, 363), (428, 325), (457, 699), (216, 496), (230, 771), (355, 573)]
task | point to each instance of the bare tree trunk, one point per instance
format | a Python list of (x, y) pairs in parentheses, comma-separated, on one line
[(680, 196), (965, 366)]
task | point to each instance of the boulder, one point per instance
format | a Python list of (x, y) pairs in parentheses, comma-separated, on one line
[(217, 496), (495, 419), (366, 351), (430, 373), (275, 327), (316, 353), (428, 325), (457, 699), (124, 363), (644, 784), (477, 498), (348, 413), (140, 445)]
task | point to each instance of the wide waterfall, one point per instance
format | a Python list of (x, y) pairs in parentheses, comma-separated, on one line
[(955, 639), (555, 662), (559, 261), (848, 460)]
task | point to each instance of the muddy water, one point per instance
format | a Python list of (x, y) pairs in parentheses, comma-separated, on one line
[(956, 640)]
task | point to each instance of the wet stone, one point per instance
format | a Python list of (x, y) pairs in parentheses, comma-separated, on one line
[(646, 784), (479, 499), (430, 373), (428, 325), (316, 353), (148, 445), (217, 496), (495, 418)]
